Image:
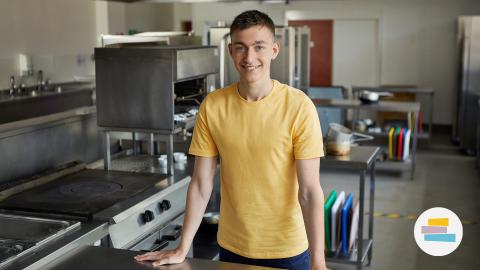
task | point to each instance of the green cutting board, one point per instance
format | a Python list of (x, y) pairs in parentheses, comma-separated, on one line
[(326, 211)]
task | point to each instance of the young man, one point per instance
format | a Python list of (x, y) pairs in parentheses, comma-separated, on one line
[(269, 141)]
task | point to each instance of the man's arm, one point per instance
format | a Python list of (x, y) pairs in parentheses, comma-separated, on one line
[(199, 191), (310, 197)]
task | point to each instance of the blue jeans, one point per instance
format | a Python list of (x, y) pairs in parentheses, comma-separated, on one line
[(299, 262)]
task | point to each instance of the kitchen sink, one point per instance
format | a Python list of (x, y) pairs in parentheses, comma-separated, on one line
[(20, 234), (32, 103)]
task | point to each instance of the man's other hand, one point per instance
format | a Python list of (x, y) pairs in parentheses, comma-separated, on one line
[(162, 257)]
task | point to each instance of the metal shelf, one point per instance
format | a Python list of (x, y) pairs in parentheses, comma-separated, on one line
[(353, 256), (390, 106), (422, 135), (426, 91), (363, 160)]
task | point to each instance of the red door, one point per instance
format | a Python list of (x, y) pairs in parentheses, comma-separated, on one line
[(321, 33)]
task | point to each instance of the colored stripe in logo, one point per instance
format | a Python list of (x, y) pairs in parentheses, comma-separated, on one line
[(440, 237), (433, 229), (438, 222)]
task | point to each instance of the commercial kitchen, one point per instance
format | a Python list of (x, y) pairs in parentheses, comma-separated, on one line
[(98, 102)]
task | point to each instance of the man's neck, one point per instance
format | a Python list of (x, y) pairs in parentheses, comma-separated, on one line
[(255, 91)]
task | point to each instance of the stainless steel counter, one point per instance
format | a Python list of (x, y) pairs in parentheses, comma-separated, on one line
[(396, 89), (360, 158), (388, 106), (88, 257), (46, 121), (28, 95)]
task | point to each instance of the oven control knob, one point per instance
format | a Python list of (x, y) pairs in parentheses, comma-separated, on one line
[(164, 205), (147, 216)]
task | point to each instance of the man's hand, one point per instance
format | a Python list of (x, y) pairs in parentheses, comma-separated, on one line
[(319, 267), (162, 257)]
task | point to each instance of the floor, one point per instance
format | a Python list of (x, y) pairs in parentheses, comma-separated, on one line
[(443, 178)]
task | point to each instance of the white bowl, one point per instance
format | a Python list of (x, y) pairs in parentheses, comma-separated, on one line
[(179, 157)]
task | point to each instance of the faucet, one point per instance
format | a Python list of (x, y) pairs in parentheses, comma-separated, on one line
[(40, 81), (13, 87)]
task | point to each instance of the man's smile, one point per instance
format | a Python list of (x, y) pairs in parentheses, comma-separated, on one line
[(249, 67)]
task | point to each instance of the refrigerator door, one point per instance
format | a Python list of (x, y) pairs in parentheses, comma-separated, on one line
[(302, 58), (283, 67), (470, 83)]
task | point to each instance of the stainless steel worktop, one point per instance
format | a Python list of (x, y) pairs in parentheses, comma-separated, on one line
[(89, 257), (360, 158), (396, 89), (45, 121), (389, 106), (6, 97), (34, 103)]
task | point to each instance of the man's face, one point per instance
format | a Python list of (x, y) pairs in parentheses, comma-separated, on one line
[(252, 51)]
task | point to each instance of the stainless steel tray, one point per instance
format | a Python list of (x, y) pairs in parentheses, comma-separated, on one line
[(22, 234)]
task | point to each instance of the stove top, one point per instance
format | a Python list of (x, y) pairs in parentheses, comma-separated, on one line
[(83, 193)]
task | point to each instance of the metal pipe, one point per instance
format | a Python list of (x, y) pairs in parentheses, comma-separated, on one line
[(360, 221), (107, 159)]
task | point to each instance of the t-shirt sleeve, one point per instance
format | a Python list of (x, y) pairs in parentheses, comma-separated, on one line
[(307, 133), (202, 141)]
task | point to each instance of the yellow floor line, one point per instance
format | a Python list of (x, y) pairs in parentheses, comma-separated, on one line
[(413, 217)]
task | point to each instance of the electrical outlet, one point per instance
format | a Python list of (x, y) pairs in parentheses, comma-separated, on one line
[(81, 60)]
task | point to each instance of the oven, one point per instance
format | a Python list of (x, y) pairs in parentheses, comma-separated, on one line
[(118, 209)]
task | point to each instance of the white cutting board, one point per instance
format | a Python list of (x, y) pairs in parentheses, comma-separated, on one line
[(335, 218), (354, 226)]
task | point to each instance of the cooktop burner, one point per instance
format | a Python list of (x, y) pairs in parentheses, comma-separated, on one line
[(89, 188), (84, 193)]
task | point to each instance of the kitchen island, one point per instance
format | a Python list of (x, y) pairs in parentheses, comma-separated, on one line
[(89, 257)]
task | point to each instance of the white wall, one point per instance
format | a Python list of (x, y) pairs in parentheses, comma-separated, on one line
[(60, 35), (55, 33), (417, 39), (116, 17), (181, 12), (146, 17), (355, 63)]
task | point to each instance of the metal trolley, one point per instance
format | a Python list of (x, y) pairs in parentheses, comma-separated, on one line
[(362, 159)]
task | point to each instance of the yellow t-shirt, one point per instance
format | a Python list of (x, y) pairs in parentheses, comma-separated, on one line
[(258, 142)]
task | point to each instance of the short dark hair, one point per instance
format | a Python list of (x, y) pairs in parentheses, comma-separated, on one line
[(251, 18)]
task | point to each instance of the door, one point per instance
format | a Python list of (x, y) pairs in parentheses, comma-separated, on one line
[(321, 34)]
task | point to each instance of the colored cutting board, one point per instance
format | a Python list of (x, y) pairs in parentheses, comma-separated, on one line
[(335, 218), (345, 223), (327, 211)]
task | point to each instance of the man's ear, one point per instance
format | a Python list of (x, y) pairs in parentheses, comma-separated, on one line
[(230, 48), (276, 49)]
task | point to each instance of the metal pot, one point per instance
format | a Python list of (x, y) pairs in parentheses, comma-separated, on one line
[(340, 139), (369, 97), (211, 218)]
